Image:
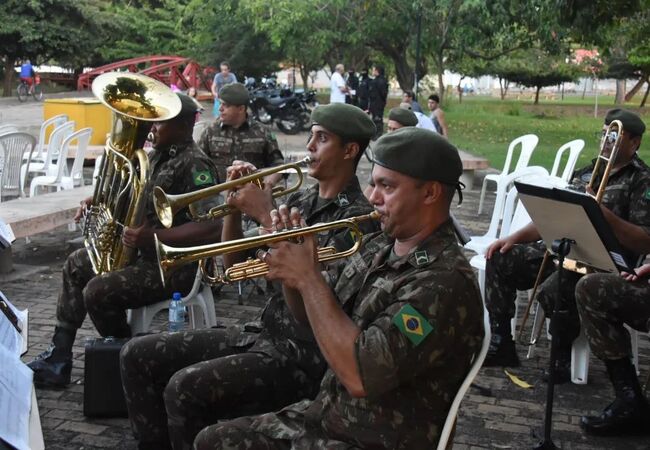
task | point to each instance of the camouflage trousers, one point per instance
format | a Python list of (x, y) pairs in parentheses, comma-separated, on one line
[(178, 383), (606, 302), (287, 429), (517, 269), (105, 298)]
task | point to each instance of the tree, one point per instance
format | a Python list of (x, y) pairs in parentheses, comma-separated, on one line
[(536, 68), (65, 31)]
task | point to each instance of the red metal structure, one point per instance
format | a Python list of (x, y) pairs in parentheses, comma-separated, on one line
[(178, 70)]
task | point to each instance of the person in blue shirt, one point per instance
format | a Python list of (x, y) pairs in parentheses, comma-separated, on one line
[(27, 74)]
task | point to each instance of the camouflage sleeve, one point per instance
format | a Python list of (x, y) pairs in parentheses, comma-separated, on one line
[(421, 328), (272, 151), (204, 141), (199, 173), (640, 204)]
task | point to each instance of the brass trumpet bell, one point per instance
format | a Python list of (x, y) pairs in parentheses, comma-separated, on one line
[(167, 205), (170, 258)]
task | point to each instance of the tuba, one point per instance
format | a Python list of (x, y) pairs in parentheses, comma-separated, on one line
[(136, 101)]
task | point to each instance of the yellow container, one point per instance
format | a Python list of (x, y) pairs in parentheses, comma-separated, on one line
[(86, 112)]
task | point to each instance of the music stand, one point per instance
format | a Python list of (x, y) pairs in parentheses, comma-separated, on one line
[(571, 225)]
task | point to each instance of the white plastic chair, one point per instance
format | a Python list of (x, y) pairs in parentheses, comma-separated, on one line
[(574, 147), (8, 128), (60, 180), (12, 147), (199, 297), (54, 146), (479, 244), (448, 428), (55, 121), (528, 142)]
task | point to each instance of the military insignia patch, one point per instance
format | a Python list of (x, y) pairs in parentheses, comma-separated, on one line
[(421, 257), (202, 177), (343, 199), (412, 324)]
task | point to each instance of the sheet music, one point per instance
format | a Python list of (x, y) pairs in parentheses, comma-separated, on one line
[(10, 338), (6, 235), (15, 400)]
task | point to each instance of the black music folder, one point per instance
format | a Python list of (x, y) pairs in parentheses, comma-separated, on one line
[(561, 213)]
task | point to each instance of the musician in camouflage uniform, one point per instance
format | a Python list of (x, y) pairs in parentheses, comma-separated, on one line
[(513, 262), (236, 136), (178, 383), (177, 166), (606, 302), (398, 330)]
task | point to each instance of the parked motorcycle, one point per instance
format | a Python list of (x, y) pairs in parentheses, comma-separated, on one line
[(308, 102), (279, 106)]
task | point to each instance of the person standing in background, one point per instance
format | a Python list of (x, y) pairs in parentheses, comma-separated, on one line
[(377, 98), (338, 88), (353, 86), (437, 115), (363, 90), (220, 80)]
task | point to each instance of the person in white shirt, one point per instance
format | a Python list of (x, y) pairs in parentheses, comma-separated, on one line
[(337, 85), (423, 120)]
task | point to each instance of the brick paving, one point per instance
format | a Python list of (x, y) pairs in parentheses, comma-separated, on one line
[(497, 415)]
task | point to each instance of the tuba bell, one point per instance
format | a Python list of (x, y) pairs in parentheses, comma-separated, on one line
[(136, 101)]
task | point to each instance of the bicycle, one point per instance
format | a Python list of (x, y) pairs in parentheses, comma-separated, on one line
[(24, 90)]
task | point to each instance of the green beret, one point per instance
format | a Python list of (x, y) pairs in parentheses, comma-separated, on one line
[(346, 121), (632, 123), (189, 106), (403, 116), (234, 94), (419, 153)]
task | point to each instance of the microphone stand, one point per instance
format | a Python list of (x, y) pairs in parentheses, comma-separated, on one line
[(561, 247)]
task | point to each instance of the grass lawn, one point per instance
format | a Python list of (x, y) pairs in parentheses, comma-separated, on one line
[(485, 126)]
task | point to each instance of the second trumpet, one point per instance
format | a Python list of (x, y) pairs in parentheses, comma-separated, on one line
[(168, 205)]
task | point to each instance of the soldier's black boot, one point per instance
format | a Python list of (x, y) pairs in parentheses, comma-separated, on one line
[(502, 351), (52, 368), (562, 369), (629, 413)]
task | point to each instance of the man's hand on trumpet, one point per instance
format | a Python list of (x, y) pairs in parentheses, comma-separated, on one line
[(292, 263), (249, 198)]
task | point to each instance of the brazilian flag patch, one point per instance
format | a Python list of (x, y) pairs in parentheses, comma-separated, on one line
[(202, 177), (647, 194), (412, 324)]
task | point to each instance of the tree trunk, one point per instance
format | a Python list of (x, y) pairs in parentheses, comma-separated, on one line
[(537, 89), (304, 74), (503, 87), (620, 92), (460, 90), (9, 76), (636, 88), (584, 89), (403, 72), (645, 97)]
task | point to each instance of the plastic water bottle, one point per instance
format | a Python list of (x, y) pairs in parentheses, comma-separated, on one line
[(176, 313)]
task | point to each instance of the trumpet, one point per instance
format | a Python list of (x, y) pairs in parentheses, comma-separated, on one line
[(167, 205), (170, 258)]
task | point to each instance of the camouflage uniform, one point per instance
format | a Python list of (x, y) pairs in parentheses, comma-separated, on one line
[(606, 302), (627, 195), (409, 385), (251, 142), (106, 297), (208, 375)]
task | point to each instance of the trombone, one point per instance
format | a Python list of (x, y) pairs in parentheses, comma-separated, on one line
[(170, 258), (613, 135), (168, 205)]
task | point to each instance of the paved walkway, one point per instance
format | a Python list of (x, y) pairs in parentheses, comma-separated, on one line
[(500, 415)]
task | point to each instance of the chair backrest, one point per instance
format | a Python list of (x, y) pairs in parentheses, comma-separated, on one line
[(528, 142), (12, 148), (56, 141), (53, 122), (8, 128), (574, 147), (473, 371), (502, 188), (83, 139), (62, 162)]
